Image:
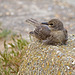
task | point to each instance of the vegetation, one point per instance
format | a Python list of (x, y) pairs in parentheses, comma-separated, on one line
[(11, 58), (3, 32)]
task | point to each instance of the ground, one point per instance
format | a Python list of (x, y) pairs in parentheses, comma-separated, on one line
[(49, 60), (13, 14)]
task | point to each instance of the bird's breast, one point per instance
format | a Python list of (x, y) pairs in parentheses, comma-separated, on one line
[(58, 35)]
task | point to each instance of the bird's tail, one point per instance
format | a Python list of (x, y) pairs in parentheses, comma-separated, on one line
[(33, 22)]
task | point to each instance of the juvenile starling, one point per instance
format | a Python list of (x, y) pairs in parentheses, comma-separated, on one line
[(50, 33)]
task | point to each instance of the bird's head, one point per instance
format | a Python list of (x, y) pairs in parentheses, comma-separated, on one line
[(55, 24)]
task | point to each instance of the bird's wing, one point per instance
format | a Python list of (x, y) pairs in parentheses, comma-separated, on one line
[(33, 22), (49, 41), (42, 32)]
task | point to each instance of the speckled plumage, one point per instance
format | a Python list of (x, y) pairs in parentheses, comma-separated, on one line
[(51, 33)]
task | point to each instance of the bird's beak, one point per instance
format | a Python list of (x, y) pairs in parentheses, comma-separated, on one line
[(49, 25), (46, 23)]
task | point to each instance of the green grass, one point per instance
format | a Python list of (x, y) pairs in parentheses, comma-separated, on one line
[(3, 32), (11, 58)]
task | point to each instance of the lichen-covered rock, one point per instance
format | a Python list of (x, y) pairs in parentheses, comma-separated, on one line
[(49, 60)]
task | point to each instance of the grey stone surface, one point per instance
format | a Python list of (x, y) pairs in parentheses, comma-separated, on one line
[(13, 13)]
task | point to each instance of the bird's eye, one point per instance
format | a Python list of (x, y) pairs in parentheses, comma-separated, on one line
[(51, 24)]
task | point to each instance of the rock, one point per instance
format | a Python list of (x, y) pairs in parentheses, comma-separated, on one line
[(49, 60)]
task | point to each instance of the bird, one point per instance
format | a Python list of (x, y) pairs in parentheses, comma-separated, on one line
[(50, 33), (41, 31)]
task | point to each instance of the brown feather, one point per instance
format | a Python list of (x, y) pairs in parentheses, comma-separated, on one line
[(53, 33)]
